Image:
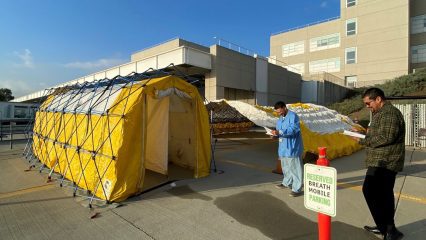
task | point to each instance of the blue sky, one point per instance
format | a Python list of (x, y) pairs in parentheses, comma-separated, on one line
[(47, 42)]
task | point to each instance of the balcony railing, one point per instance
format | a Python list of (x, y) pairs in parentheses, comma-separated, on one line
[(307, 25), (325, 76), (235, 47)]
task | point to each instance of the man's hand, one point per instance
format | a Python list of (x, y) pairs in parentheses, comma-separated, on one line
[(275, 132), (358, 130)]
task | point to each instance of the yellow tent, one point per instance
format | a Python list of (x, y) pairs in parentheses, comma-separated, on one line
[(103, 136)]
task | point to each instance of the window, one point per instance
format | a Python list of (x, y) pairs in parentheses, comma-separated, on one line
[(325, 65), (293, 49), (418, 24), (20, 112), (325, 42), (418, 54), (351, 81), (350, 54), (350, 3), (351, 27), (297, 68)]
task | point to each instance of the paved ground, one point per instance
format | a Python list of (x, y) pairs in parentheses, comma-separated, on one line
[(239, 201)]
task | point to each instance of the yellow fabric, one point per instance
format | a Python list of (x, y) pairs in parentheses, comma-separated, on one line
[(301, 105), (67, 142), (156, 157), (337, 144)]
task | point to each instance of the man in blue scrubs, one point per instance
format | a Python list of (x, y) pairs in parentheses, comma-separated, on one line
[(290, 149)]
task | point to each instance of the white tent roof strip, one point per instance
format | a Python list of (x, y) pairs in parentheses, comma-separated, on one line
[(317, 118), (89, 98), (94, 100), (92, 97)]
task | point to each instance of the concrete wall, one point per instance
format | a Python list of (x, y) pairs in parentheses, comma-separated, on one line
[(382, 41), (262, 81), (310, 92), (283, 85), (322, 93), (333, 93), (230, 69), (277, 41), (164, 47), (236, 76)]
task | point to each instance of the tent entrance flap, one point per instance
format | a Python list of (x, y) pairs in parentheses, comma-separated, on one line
[(158, 134), (170, 133), (182, 140)]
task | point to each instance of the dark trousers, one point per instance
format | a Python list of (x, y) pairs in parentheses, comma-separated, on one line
[(378, 193)]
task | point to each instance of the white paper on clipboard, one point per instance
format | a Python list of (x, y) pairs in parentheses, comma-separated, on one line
[(353, 134), (269, 131)]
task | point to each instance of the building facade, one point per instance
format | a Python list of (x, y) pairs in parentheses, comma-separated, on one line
[(15, 112), (371, 42), (219, 73), (16, 117)]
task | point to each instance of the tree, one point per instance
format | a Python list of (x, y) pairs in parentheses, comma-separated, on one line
[(5, 95)]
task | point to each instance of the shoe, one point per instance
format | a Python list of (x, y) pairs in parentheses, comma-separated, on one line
[(393, 235), (374, 229), (295, 194), (281, 186)]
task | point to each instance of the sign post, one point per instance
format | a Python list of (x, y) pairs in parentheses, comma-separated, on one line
[(320, 193)]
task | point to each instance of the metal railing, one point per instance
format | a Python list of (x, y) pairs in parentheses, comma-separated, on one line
[(235, 47), (10, 132), (307, 25), (326, 76)]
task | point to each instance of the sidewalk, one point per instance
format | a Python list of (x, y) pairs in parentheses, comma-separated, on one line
[(239, 201)]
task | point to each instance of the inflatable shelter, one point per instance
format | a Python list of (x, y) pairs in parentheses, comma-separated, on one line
[(104, 135), (320, 126)]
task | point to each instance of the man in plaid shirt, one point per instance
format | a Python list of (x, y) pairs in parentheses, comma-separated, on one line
[(385, 147)]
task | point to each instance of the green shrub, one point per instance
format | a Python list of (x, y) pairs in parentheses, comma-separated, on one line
[(348, 105), (400, 86), (403, 85)]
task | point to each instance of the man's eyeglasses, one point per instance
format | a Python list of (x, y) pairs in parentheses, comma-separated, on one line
[(368, 103)]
